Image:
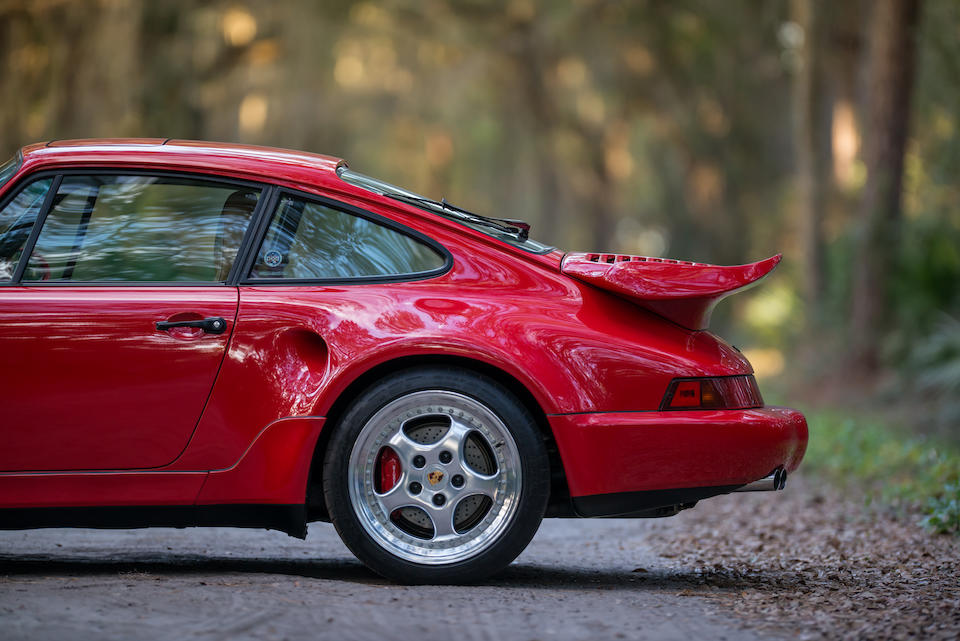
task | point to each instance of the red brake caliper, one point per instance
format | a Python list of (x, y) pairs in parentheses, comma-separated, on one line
[(389, 465)]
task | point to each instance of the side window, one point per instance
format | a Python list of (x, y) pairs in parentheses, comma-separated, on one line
[(16, 221), (8, 169), (141, 229), (307, 240)]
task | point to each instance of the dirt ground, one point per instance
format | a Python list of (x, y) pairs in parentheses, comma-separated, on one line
[(747, 566), (817, 561)]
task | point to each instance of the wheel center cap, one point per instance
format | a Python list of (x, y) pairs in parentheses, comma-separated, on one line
[(435, 477)]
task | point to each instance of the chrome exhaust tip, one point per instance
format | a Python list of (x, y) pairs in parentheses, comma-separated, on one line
[(774, 482)]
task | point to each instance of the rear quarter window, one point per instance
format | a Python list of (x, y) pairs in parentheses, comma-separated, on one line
[(308, 240)]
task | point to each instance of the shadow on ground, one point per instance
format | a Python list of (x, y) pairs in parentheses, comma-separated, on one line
[(529, 576)]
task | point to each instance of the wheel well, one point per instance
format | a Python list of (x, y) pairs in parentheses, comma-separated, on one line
[(559, 502)]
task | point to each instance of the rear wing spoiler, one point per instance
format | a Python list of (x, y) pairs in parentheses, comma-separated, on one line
[(680, 291)]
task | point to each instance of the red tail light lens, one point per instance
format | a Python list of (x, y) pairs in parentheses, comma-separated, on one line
[(722, 392)]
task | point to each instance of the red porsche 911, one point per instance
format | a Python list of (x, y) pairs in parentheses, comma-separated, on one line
[(206, 334)]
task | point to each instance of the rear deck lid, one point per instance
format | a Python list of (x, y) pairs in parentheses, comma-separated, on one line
[(681, 291)]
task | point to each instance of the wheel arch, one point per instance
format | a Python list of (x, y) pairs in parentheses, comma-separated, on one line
[(559, 492)]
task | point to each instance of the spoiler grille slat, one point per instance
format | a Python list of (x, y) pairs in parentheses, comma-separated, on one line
[(627, 258)]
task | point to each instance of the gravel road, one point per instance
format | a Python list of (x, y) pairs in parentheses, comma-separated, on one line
[(829, 564), (579, 579)]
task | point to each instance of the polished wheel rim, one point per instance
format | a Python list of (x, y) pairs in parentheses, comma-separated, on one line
[(434, 477)]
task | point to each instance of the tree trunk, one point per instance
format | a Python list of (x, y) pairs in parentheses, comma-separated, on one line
[(808, 143), (528, 57), (890, 75)]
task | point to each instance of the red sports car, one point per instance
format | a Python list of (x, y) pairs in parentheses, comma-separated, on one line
[(208, 334)]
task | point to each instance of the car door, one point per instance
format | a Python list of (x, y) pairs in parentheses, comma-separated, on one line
[(116, 317)]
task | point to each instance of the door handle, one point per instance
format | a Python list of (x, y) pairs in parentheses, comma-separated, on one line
[(213, 325)]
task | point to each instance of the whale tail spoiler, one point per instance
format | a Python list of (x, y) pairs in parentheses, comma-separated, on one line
[(681, 291)]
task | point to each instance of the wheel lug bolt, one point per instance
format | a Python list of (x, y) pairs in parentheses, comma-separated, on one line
[(457, 480), (445, 457), (419, 461), (415, 488), (439, 499)]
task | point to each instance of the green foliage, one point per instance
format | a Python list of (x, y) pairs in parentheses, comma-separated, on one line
[(902, 471), (944, 511), (928, 366), (924, 284), (934, 367)]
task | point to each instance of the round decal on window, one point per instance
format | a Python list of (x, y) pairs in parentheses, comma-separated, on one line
[(272, 258)]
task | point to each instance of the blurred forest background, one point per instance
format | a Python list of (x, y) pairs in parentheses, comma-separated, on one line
[(717, 131)]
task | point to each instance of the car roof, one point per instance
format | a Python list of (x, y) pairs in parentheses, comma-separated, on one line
[(256, 163), (184, 155)]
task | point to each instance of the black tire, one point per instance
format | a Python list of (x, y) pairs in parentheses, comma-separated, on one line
[(481, 520)]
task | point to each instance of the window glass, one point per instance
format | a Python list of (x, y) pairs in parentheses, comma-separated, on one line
[(8, 169), (141, 229), (16, 221), (312, 241)]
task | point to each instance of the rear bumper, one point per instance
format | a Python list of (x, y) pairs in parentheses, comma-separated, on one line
[(618, 463)]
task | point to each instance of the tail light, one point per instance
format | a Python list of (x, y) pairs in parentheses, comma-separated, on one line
[(721, 392)]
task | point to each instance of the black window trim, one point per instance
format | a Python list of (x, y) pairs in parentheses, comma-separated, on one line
[(352, 280), (266, 193)]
